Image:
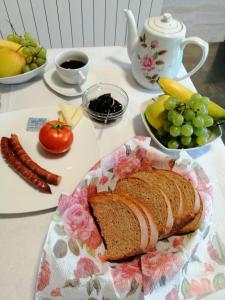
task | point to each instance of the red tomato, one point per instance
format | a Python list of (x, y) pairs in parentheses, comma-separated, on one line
[(56, 137)]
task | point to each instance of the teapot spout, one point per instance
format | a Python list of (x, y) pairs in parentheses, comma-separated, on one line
[(132, 36)]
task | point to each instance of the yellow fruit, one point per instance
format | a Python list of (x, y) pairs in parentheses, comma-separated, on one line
[(154, 112), (178, 90), (11, 45), (173, 88), (11, 62)]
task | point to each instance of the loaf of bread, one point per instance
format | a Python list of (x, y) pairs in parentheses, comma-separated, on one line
[(144, 208)]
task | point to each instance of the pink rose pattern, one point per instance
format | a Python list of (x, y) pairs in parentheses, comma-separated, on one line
[(79, 224), (56, 292), (158, 265), (123, 274), (153, 267), (43, 276), (148, 62), (151, 62), (85, 267)]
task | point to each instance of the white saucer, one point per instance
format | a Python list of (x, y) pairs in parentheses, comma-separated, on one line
[(55, 83)]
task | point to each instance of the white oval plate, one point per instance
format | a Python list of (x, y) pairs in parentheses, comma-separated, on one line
[(17, 196), (23, 77), (70, 90), (216, 133)]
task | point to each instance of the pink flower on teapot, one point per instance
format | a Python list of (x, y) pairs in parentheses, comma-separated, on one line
[(148, 62)]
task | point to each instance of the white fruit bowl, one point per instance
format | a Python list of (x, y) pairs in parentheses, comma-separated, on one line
[(216, 133), (23, 77)]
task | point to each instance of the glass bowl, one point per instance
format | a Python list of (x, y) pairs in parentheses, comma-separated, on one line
[(98, 90)]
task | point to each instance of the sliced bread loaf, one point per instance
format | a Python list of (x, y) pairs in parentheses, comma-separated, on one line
[(195, 223), (153, 234), (122, 225), (191, 202), (158, 203), (169, 187)]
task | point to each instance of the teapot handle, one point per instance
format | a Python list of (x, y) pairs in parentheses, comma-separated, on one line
[(205, 49)]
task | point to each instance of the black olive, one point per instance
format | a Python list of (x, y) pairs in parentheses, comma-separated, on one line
[(105, 104)]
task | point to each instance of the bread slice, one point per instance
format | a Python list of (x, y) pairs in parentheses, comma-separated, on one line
[(153, 233), (169, 187), (122, 225), (158, 203), (195, 223), (191, 201)]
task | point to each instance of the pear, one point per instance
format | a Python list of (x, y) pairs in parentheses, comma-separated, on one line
[(11, 62)]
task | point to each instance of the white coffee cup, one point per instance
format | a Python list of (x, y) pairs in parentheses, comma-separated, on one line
[(77, 74)]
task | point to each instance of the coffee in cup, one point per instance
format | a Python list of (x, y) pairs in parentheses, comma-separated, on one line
[(72, 66)]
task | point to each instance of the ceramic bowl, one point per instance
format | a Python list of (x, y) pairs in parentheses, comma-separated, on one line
[(23, 77), (99, 89), (216, 133)]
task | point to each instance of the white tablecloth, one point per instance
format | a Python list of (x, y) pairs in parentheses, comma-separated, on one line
[(22, 236)]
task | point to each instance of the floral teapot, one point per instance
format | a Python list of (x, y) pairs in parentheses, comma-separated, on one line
[(158, 52)]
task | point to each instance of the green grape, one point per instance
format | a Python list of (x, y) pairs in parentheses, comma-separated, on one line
[(187, 130), (10, 37), (32, 50), (189, 114), (166, 126), (33, 42), (33, 66), (200, 108), (170, 115), (196, 97), (29, 60), (205, 100), (198, 121), (178, 119), (42, 53), (27, 36), (191, 103), (201, 140), (200, 131), (173, 144), (208, 121), (175, 131), (17, 39), (161, 132), (26, 52), (185, 140), (170, 103), (24, 42), (26, 68)]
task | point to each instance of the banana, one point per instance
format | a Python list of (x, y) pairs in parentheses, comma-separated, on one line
[(154, 112), (176, 89), (173, 88), (11, 45)]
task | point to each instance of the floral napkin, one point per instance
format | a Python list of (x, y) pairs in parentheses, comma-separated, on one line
[(180, 267)]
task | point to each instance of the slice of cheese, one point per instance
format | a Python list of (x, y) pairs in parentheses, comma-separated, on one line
[(70, 114), (77, 116)]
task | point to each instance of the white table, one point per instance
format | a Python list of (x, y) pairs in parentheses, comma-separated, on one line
[(22, 236)]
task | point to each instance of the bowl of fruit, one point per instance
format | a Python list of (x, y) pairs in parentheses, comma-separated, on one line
[(181, 119), (21, 59)]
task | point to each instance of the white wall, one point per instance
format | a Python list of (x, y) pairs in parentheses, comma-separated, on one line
[(203, 18)]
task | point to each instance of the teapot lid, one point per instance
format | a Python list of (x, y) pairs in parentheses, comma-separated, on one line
[(166, 25)]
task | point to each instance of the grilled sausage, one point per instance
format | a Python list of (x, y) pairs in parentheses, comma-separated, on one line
[(19, 167), (29, 163)]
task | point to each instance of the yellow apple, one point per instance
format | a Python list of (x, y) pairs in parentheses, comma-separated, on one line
[(11, 62)]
